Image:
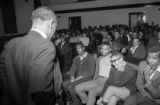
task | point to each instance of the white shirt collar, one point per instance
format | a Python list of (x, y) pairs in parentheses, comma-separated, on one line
[(81, 57), (40, 32)]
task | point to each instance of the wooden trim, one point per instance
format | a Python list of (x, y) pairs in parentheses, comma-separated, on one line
[(108, 7)]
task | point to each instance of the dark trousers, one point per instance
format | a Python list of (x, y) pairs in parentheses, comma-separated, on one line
[(139, 99), (70, 87)]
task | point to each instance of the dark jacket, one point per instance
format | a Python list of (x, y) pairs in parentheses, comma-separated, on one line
[(85, 68), (152, 90), (126, 78), (29, 67)]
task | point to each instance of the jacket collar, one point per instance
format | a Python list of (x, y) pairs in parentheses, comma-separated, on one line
[(40, 32)]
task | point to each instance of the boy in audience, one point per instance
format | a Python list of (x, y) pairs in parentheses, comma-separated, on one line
[(82, 69), (95, 86), (148, 80), (121, 81)]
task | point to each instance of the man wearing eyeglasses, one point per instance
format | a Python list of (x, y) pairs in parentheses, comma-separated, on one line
[(121, 81), (148, 80)]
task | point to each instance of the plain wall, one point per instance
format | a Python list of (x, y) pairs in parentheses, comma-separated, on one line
[(106, 17), (98, 3), (109, 17)]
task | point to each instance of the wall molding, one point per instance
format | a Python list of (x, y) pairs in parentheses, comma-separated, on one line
[(108, 7)]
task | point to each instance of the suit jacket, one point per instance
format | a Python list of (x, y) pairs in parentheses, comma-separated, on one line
[(152, 90), (138, 55), (140, 52), (29, 67)]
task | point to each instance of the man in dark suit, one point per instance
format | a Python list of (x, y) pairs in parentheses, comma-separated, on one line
[(148, 80), (136, 52), (29, 61)]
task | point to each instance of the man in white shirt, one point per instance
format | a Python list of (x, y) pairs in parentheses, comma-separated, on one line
[(95, 86)]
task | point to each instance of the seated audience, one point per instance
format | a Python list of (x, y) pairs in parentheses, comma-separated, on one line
[(94, 87), (148, 80), (82, 69), (121, 81)]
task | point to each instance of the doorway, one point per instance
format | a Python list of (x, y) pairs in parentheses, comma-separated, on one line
[(75, 23), (136, 19)]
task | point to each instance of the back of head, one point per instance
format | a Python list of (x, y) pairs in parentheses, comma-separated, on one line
[(44, 20), (43, 13)]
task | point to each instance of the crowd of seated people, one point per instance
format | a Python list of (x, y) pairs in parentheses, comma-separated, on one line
[(132, 42), (105, 65), (119, 82)]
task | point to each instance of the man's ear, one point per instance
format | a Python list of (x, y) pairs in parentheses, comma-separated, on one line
[(51, 23)]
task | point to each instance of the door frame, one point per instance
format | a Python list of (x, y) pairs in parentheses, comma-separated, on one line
[(134, 13), (69, 20)]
